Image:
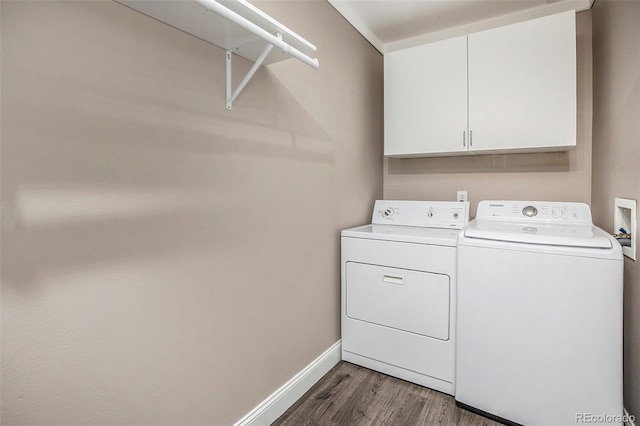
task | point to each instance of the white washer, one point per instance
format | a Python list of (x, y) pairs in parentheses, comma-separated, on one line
[(398, 291), (539, 315)]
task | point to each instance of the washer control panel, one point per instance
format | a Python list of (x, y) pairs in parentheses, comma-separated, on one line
[(427, 214), (535, 211)]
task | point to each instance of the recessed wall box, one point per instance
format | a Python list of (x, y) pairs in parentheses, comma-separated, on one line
[(624, 222)]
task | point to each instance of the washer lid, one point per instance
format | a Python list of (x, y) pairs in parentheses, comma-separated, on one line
[(568, 235), (407, 234)]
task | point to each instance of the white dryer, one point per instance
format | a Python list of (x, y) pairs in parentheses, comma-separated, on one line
[(539, 315), (399, 289)]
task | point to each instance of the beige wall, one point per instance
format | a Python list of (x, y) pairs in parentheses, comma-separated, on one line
[(544, 176), (616, 152), (166, 261)]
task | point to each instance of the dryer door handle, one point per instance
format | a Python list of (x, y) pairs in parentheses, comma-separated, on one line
[(392, 279)]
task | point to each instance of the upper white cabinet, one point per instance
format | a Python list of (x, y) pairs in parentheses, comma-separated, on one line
[(522, 86), (508, 89), (425, 98)]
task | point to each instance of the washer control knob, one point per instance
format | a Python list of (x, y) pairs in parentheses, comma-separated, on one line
[(387, 212), (455, 215), (430, 214), (530, 211)]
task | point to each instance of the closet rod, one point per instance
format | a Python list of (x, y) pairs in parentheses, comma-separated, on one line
[(230, 15)]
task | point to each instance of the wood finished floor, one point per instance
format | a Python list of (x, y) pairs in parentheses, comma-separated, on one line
[(351, 395)]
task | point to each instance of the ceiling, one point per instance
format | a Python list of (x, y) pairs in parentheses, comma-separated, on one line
[(396, 24)]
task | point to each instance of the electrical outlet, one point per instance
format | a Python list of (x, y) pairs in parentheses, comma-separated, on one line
[(462, 196)]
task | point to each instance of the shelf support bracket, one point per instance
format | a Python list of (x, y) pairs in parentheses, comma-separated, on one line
[(226, 13), (231, 94)]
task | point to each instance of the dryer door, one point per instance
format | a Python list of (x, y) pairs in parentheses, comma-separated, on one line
[(403, 299)]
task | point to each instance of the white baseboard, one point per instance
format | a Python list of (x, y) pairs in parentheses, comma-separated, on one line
[(628, 421), (278, 402)]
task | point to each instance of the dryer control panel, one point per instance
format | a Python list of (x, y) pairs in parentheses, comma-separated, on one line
[(426, 214)]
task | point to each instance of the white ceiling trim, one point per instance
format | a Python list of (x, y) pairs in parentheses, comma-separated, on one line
[(499, 21), (536, 12), (358, 23)]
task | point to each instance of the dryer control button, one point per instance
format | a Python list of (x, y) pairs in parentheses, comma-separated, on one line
[(530, 211)]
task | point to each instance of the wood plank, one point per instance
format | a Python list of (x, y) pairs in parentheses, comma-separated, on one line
[(443, 411), (350, 395), (356, 410), (322, 401)]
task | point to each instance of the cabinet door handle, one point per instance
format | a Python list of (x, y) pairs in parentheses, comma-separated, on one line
[(464, 138), (470, 137)]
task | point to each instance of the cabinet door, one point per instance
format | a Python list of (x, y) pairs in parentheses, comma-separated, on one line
[(522, 86), (425, 99)]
